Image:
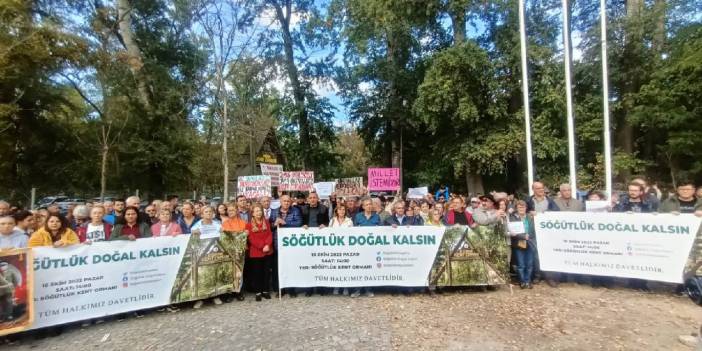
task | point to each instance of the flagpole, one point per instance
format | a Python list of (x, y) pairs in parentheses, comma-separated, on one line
[(605, 99), (569, 98), (525, 92)]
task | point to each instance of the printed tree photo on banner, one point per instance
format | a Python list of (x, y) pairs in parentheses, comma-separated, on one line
[(273, 171), (16, 290), (296, 181), (254, 187), (471, 257), (349, 186), (383, 179), (210, 267)]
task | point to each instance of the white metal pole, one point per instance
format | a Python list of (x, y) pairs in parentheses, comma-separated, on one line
[(569, 98), (605, 99), (525, 92)]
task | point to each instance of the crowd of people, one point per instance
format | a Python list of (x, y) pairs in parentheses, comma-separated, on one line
[(260, 218)]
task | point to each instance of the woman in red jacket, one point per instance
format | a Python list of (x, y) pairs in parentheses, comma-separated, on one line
[(260, 247)]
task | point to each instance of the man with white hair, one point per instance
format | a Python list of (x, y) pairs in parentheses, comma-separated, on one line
[(134, 201), (566, 202)]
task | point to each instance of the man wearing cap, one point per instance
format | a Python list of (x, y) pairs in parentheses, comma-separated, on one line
[(8, 281), (487, 214), (474, 205)]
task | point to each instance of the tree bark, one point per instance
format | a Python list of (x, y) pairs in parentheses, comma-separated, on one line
[(283, 17), (103, 167), (225, 132), (135, 60), (458, 24)]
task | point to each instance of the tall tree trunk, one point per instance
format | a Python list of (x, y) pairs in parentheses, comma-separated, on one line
[(458, 24), (457, 12), (659, 36), (283, 18), (103, 167), (225, 132), (136, 62)]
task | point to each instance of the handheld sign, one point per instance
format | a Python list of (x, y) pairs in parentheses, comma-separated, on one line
[(380, 179), (273, 171), (254, 187), (296, 181), (349, 186)]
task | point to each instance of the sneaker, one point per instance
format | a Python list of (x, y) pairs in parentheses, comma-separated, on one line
[(346, 292), (258, 297), (335, 291), (197, 304), (266, 295), (355, 294), (217, 301), (369, 293), (240, 296), (172, 309)]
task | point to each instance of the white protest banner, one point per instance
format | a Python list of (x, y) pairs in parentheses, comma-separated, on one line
[(644, 246), (296, 181), (254, 187), (81, 282), (90, 281), (349, 186), (273, 171), (324, 189), (597, 206), (417, 193), (359, 256)]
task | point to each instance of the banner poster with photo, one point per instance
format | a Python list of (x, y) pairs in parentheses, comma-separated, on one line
[(296, 181), (273, 171), (349, 186), (92, 281), (644, 246), (254, 187), (16, 290), (386, 256)]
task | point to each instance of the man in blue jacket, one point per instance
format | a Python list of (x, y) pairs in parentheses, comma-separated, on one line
[(285, 216), (443, 192)]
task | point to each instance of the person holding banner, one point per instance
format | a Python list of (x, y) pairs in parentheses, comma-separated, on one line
[(367, 218), (166, 226), (314, 214), (233, 223), (260, 239), (340, 220), (285, 216), (523, 233), (207, 226), (187, 218), (97, 229), (635, 202), (378, 208), (131, 229), (399, 217), (56, 232), (221, 212), (435, 218), (684, 200), (458, 215)]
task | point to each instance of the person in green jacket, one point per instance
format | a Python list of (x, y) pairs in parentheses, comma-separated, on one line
[(684, 200)]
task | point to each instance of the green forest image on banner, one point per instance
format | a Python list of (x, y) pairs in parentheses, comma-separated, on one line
[(210, 267), (471, 257)]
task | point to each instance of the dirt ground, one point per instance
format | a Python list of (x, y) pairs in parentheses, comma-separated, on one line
[(570, 317)]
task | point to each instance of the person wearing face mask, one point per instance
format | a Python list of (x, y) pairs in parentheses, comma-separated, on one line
[(56, 232)]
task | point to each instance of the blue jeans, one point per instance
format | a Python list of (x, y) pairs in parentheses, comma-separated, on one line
[(525, 263)]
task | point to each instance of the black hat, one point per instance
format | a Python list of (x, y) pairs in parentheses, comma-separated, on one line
[(487, 197)]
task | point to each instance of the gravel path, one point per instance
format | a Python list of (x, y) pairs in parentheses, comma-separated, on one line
[(571, 317)]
